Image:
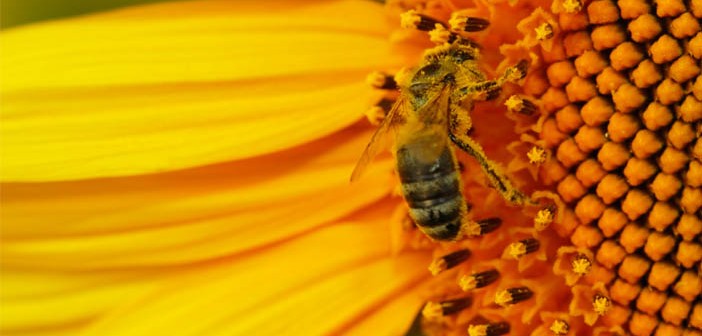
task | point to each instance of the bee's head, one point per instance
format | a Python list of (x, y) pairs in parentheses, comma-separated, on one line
[(429, 77), (425, 78), (427, 73), (463, 50)]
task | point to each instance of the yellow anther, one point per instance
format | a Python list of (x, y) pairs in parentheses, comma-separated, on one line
[(581, 265), (478, 280), (458, 22), (512, 296), (432, 310), (517, 250), (439, 34), (448, 261), (514, 103), (559, 327), (471, 229), (513, 75), (467, 282), (490, 329), (375, 115), (477, 330), (544, 31), (503, 298), (437, 266), (543, 219), (410, 19), (375, 79), (536, 155), (601, 304), (572, 6)]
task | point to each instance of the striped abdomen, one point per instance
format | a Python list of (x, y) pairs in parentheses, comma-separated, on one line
[(432, 190)]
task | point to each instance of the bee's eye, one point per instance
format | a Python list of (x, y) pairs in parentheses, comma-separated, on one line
[(428, 70)]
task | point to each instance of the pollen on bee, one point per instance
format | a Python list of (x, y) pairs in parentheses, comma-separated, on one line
[(478, 280), (581, 264), (601, 304), (512, 296), (440, 49), (434, 310), (522, 247), (544, 31), (448, 261), (490, 329), (559, 327)]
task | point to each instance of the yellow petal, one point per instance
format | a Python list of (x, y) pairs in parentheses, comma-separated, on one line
[(392, 317), (290, 287), (178, 85), (36, 301), (186, 216), (333, 305)]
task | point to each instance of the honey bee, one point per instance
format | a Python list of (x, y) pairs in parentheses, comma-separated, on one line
[(431, 113)]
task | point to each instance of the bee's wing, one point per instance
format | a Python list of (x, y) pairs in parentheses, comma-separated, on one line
[(380, 140), (432, 122), (435, 112)]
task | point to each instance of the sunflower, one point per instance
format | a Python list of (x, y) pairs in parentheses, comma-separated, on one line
[(182, 169)]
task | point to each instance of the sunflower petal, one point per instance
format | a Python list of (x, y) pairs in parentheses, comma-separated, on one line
[(391, 318), (186, 216), (335, 304), (278, 289), (73, 299), (178, 85)]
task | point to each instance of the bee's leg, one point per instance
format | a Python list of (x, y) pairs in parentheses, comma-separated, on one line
[(490, 168), (490, 89), (460, 120)]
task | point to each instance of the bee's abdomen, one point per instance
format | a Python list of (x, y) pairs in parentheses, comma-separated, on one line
[(432, 191)]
